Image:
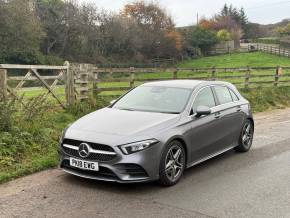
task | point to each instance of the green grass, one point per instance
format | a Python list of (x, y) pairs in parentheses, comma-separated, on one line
[(29, 145), (267, 98), (257, 59)]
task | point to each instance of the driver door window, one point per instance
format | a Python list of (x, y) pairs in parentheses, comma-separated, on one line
[(204, 98)]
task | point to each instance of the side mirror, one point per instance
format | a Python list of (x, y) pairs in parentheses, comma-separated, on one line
[(202, 110), (113, 101)]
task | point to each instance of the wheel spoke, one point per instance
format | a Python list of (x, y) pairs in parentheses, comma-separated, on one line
[(169, 164), (177, 154), (173, 173), (248, 129), (244, 137), (178, 165), (168, 169)]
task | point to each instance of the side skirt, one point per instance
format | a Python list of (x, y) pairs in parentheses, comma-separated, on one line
[(210, 156)]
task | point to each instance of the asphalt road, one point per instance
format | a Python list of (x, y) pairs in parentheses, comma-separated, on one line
[(255, 184)]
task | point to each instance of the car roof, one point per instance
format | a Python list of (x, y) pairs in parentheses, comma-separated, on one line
[(189, 84)]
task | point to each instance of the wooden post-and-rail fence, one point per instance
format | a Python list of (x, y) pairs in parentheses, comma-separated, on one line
[(244, 77), (271, 49), (77, 81)]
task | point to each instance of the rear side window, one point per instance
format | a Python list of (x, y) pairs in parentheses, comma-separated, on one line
[(204, 98), (234, 96), (223, 94)]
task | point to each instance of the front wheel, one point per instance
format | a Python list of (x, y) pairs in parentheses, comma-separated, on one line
[(172, 164), (246, 137)]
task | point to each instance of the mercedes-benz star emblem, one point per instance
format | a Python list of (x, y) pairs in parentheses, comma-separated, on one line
[(84, 150)]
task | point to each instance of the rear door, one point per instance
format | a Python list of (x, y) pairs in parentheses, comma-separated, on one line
[(230, 116)]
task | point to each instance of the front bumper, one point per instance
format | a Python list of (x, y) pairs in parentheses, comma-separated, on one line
[(142, 166)]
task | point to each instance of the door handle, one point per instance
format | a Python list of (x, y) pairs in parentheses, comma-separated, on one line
[(217, 115)]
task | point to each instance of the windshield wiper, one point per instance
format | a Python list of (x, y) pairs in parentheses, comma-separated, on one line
[(169, 112)]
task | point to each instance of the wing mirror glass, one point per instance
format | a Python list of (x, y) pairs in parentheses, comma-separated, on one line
[(202, 110)]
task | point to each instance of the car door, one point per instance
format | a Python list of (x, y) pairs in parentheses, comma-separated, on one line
[(229, 117), (203, 130)]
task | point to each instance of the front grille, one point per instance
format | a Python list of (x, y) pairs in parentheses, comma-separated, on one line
[(133, 170), (93, 145), (92, 156), (103, 172)]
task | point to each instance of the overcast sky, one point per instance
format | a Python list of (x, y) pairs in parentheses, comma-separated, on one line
[(184, 11)]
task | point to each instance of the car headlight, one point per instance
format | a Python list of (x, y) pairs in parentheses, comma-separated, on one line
[(63, 133), (137, 146)]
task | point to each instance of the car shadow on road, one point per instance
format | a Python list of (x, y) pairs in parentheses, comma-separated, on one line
[(221, 165)]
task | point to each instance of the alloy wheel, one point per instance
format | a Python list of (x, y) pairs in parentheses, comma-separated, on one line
[(174, 163), (247, 134)]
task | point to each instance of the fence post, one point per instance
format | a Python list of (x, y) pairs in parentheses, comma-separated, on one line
[(132, 77), (213, 74), (175, 71), (69, 85), (277, 76), (95, 83), (247, 77), (3, 83)]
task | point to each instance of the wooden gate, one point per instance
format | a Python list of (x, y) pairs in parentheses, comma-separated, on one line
[(31, 73)]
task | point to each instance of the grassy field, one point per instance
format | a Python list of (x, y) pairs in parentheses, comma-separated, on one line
[(257, 59), (30, 144)]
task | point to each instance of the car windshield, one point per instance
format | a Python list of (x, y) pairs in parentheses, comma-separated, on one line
[(155, 99)]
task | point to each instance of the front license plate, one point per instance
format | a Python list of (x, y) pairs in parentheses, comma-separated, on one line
[(85, 165)]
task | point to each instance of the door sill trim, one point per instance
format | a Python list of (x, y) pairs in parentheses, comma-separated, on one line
[(210, 156)]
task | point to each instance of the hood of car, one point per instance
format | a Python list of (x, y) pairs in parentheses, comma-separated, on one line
[(115, 123)]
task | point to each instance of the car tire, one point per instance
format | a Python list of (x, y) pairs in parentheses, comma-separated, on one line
[(246, 137), (172, 164)]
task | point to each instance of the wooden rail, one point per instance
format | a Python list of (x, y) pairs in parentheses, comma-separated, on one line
[(32, 73), (122, 79), (78, 81), (276, 50)]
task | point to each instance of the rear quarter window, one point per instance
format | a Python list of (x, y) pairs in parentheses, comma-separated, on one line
[(234, 95), (223, 94)]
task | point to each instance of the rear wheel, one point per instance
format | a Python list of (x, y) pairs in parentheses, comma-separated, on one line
[(246, 137), (172, 164)]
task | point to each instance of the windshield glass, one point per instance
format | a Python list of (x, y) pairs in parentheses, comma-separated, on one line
[(155, 99)]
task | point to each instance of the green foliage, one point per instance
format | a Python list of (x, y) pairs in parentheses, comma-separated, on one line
[(29, 141), (20, 32), (238, 15), (48, 31), (223, 35), (283, 31), (92, 104), (262, 99), (203, 39), (7, 111)]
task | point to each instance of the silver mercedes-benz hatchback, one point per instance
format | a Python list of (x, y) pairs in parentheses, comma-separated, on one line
[(157, 130)]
